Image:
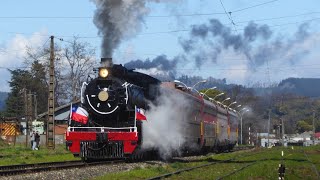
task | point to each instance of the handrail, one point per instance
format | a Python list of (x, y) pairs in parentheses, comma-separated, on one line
[(103, 129)]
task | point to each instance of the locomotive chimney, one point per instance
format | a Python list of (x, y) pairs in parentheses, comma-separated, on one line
[(106, 62)]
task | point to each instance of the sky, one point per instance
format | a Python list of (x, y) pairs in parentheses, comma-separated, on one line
[(262, 42)]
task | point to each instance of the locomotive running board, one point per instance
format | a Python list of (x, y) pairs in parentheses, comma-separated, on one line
[(102, 129)]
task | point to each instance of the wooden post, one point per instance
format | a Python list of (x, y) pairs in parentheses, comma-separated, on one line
[(26, 114), (29, 114), (313, 127)]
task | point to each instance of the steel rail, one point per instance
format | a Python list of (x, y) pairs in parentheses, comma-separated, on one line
[(240, 148), (22, 166), (187, 169), (238, 170), (195, 167), (313, 165), (39, 167)]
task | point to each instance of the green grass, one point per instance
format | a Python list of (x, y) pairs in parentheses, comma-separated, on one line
[(19, 154), (264, 162)]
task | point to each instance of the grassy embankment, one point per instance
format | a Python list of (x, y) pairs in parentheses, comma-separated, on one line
[(264, 165), (19, 154)]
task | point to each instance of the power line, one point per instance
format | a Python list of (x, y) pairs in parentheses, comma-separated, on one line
[(30, 34), (99, 36), (242, 9), (297, 22), (62, 40), (281, 17), (12, 67), (228, 15), (3, 50), (258, 68), (45, 17), (179, 15), (155, 33), (43, 45), (90, 17), (290, 23), (151, 16)]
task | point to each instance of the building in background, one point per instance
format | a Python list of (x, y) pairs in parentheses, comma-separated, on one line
[(9, 130)]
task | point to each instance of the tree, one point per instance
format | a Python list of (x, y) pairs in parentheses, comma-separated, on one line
[(303, 126), (80, 57), (15, 103), (211, 93), (22, 83), (42, 56), (74, 62), (39, 86)]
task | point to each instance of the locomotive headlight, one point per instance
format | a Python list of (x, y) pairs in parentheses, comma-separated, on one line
[(103, 72)]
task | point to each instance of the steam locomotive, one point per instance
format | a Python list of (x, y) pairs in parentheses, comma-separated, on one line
[(111, 102)]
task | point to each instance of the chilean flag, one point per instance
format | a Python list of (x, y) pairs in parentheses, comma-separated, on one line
[(79, 114), (140, 114)]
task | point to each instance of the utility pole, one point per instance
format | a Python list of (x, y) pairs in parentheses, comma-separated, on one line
[(269, 126), (50, 120), (241, 129), (29, 117), (249, 134), (313, 128), (241, 116), (282, 129), (282, 123), (35, 105), (26, 114)]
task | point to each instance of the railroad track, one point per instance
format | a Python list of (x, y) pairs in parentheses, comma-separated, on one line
[(39, 167), (238, 170), (313, 165), (188, 169), (205, 165), (240, 148)]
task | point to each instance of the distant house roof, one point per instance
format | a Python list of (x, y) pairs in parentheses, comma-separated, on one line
[(317, 135), (60, 113)]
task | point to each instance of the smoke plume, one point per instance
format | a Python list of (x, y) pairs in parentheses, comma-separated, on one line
[(159, 66), (256, 43), (117, 20), (166, 121)]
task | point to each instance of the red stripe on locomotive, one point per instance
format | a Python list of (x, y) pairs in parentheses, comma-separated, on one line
[(129, 140)]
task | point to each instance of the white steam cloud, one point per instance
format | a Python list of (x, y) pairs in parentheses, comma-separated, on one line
[(164, 130)]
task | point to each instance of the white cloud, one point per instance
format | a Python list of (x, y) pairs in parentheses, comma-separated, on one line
[(13, 52)]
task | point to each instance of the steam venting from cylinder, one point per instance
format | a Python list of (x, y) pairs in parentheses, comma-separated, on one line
[(106, 62)]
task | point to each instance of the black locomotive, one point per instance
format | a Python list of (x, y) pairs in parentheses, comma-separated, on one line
[(113, 130), (112, 97)]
